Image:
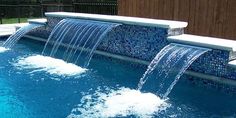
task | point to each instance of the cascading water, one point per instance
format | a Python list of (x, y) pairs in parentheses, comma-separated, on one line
[(12, 40), (167, 67), (84, 37)]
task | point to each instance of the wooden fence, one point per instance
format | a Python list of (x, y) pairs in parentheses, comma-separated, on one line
[(215, 18)]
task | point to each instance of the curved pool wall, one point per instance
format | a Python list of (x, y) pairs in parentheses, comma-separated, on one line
[(140, 41)]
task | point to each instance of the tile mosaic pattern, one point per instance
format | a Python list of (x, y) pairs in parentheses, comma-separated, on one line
[(214, 63), (44, 32), (135, 41), (144, 43)]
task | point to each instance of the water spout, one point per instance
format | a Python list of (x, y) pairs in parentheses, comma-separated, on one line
[(12, 40), (81, 36), (168, 66)]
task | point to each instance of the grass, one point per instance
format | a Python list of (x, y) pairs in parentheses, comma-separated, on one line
[(13, 20)]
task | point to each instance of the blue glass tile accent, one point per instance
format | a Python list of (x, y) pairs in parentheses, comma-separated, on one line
[(135, 41)]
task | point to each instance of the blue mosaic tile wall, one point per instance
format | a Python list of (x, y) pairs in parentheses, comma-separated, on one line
[(135, 41), (214, 63), (127, 40), (44, 32), (145, 42)]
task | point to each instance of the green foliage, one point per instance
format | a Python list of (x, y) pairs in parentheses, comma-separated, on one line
[(13, 20)]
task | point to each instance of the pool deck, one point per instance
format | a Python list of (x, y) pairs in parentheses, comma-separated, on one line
[(8, 29)]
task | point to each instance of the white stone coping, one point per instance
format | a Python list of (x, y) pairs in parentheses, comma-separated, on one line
[(208, 42), (121, 19), (42, 21)]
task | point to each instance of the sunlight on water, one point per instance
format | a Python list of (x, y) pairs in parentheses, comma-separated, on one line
[(124, 102), (50, 65), (2, 49)]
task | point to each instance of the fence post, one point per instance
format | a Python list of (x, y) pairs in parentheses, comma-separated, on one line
[(42, 9), (18, 11), (73, 5), (1, 16)]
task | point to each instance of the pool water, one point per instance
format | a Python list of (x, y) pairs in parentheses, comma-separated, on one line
[(107, 88)]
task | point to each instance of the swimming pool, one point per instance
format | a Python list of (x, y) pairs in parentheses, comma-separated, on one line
[(83, 65), (106, 89)]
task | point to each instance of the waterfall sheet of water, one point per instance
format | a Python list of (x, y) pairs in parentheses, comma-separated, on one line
[(81, 37), (12, 40), (168, 66)]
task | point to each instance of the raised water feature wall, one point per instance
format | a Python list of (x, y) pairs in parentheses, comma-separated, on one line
[(83, 34), (143, 41), (134, 41)]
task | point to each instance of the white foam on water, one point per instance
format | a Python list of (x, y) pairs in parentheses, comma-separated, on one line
[(121, 103), (49, 65), (2, 49)]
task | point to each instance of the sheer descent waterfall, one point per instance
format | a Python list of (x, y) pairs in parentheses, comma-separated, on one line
[(12, 40), (166, 68), (80, 36)]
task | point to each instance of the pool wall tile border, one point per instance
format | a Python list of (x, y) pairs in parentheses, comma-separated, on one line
[(211, 78)]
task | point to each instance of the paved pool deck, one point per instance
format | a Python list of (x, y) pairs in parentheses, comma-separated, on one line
[(8, 29)]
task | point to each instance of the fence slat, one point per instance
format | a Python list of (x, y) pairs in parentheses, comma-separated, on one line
[(205, 17), (231, 16)]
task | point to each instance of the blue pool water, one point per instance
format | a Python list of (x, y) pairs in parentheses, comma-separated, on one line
[(98, 92)]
